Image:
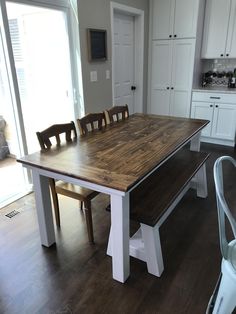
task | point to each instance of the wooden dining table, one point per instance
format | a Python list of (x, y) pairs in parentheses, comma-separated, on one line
[(113, 161)]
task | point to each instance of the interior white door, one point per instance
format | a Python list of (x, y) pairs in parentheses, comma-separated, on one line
[(161, 76), (182, 73), (124, 60)]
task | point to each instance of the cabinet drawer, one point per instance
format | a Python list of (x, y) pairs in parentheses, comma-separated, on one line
[(214, 97)]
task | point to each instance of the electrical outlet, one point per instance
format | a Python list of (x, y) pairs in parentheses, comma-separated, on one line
[(93, 76)]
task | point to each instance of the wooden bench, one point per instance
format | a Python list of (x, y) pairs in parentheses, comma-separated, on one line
[(154, 199)]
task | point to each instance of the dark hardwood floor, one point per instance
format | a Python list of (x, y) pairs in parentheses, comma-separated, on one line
[(75, 277)]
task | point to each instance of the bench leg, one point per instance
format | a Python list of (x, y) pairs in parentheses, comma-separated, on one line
[(152, 244), (109, 249), (196, 142), (201, 181)]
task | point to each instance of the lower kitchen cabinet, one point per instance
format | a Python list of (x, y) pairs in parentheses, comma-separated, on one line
[(222, 117)]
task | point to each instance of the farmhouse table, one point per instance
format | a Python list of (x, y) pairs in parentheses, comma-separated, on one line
[(113, 161)]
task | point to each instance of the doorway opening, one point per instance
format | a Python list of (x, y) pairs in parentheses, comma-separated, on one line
[(46, 88), (127, 22)]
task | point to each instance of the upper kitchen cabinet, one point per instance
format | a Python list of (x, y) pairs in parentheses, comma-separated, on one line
[(219, 38), (174, 19)]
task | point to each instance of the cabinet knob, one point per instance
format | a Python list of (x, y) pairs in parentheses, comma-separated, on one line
[(227, 54), (172, 87), (167, 87), (175, 35), (217, 106), (170, 36), (222, 55), (211, 106)]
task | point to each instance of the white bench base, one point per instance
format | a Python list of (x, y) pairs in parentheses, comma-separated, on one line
[(145, 244)]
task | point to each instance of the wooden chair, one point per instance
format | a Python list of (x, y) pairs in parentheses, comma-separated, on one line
[(67, 189), (91, 122), (120, 113), (116, 114)]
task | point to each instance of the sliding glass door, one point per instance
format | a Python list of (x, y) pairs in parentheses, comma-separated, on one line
[(38, 59)]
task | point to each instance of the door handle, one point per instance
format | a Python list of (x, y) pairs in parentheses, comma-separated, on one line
[(133, 87), (215, 97)]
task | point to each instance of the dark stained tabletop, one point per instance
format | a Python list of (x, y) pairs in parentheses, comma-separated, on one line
[(119, 156)]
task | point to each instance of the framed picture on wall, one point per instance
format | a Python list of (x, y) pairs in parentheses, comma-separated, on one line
[(97, 44)]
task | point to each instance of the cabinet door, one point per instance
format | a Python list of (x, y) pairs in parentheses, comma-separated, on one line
[(215, 28), (224, 121), (162, 19), (231, 39), (161, 76), (182, 75), (203, 110), (186, 15)]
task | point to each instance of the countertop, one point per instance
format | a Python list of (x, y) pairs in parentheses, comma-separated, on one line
[(215, 89)]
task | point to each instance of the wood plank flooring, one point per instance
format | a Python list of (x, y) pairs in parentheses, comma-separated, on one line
[(75, 277)]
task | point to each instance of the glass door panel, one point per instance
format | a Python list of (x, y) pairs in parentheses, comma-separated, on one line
[(41, 53), (13, 178)]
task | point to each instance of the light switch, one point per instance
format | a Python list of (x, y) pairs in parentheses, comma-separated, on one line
[(93, 76), (107, 74)]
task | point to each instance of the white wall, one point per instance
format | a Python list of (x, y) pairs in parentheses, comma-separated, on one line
[(96, 14)]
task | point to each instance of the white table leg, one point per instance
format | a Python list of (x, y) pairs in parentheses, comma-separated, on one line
[(120, 237), (201, 181), (44, 208), (195, 142)]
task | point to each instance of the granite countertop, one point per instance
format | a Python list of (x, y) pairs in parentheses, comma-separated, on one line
[(215, 89)]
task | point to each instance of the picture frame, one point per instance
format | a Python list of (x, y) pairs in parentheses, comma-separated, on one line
[(97, 44)]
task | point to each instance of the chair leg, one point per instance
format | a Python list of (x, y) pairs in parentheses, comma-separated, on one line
[(89, 221), (226, 300), (55, 202)]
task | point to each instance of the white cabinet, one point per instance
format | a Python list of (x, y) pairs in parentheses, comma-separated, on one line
[(171, 77), (222, 117), (219, 38), (224, 121), (174, 18)]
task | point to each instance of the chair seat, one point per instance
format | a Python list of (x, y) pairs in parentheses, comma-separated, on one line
[(232, 254), (75, 191)]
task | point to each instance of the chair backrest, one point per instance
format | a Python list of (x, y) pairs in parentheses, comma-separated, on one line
[(91, 122), (222, 207), (117, 113), (55, 131)]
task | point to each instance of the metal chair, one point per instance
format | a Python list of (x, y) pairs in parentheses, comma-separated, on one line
[(225, 301)]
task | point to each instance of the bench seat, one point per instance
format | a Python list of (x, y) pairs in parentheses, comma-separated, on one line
[(152, 201)]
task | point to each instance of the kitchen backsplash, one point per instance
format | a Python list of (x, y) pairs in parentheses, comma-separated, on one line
[(219, 65)]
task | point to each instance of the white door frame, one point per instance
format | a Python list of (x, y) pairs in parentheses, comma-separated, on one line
[(138, 48)]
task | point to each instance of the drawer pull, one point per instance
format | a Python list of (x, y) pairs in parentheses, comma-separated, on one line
[(215, 97)]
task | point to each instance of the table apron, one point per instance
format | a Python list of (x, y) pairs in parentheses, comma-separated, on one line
[(82, 183)]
